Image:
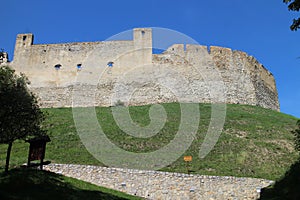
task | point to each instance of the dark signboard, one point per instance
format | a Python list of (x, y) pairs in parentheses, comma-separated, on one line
[(37, 150)]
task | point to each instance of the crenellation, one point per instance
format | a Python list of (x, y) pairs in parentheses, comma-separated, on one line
[(183, 72)]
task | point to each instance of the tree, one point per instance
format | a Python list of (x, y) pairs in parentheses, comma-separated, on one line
[(294, 5), (20, 115), (297, 136)]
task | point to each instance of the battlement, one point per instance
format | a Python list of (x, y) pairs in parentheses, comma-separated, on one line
[(53, 70)]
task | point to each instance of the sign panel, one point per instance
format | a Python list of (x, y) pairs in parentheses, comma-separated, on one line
[(37, 151), (187, 158)]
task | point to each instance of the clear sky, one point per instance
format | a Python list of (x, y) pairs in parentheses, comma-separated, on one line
[(258, 27)]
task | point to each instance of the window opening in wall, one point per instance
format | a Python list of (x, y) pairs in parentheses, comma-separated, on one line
[(24, 37), (79, 66), (143, 32), (57, 67), (110, 64)]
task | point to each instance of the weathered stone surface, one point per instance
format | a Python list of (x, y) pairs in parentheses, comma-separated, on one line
[(190, 73), (165, 185)]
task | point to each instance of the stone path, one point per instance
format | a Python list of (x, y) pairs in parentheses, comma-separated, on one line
[(158, 185)]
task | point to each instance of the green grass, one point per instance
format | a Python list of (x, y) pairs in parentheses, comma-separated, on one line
[(37, 184), (255, 142)]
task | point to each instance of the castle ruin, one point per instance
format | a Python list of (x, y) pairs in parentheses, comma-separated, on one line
[(127, 71)]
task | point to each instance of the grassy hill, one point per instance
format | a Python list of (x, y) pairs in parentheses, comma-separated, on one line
[(255, 142)]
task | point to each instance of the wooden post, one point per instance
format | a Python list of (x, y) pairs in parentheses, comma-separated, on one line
[(187, 159)]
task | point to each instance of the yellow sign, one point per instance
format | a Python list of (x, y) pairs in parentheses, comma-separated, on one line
[(187, 158)]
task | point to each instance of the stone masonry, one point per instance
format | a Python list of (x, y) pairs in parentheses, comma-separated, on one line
[(128, 71), (158, 185)]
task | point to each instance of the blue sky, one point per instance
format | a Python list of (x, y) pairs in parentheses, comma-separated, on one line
[(260, 28)]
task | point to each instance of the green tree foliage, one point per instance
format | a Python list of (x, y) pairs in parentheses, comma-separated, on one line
[(297, 136), (20, 115), (294, 5)]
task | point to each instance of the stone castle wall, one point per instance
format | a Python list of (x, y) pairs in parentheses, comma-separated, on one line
[(60, 73), (165, 185)]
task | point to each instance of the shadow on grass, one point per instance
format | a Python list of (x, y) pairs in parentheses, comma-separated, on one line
[(288, 188), (36, 184)]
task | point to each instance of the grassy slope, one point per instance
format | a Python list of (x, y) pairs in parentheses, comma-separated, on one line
[(36, 184), (255, 142)]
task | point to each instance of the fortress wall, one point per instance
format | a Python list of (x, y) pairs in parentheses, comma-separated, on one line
[(38, 61), (137, 77), (173, 78), (239, 88), (264, 84), (202, 73), (248, 81), (203, 68)]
